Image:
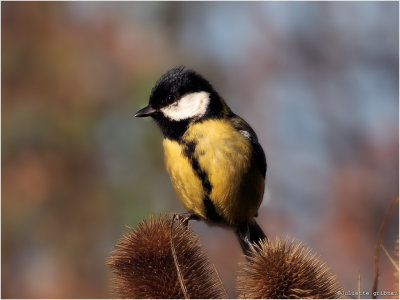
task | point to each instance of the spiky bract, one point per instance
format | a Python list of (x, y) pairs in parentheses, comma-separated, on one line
[(143, 265), (282, 269)]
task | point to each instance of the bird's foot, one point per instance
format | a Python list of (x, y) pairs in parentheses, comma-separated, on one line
[(243, 234), (185, 218)]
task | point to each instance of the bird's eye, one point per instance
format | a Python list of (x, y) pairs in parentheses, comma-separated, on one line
[(170, 98)]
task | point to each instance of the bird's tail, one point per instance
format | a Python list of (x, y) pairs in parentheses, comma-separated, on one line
[(249, 234)]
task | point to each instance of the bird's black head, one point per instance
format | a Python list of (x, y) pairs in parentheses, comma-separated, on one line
[(179, 97)]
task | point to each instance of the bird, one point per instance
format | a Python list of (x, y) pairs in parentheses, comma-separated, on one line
[(213, 157)]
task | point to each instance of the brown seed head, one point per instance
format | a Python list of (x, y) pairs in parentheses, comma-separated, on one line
[(281, 270), (143, 265)]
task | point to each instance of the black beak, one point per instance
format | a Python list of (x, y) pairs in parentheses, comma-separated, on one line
[(146, 111)]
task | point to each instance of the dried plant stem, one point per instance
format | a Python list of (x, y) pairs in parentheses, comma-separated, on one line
[(220, 281), (178, 269), (395, 265), (378, 247), (396, 273), (359, 285)]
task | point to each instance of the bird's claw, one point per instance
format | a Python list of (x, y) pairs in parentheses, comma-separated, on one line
[(184, 218)]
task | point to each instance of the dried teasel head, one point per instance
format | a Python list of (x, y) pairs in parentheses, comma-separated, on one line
[(143, 265), (282, 269)]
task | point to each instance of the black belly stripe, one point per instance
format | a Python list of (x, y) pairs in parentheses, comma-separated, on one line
[(211, 212)]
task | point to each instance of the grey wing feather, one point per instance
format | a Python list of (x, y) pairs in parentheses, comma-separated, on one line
[(243, 127)]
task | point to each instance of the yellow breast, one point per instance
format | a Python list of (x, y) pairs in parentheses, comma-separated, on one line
[(225, 157), (186, 183)]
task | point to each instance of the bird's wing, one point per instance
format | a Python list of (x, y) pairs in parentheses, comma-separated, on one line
[(245, 129)]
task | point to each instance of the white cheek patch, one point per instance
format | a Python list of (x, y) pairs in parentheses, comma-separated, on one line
[(189, 106)]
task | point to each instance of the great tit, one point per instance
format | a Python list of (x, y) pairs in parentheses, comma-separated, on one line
[(216, 164)]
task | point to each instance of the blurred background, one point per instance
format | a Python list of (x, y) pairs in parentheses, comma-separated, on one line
[(318, 81)]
